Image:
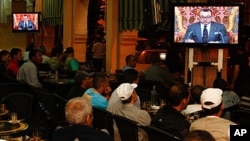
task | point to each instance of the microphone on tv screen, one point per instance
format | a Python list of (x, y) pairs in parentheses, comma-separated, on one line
[(223, 41), (189, 34)]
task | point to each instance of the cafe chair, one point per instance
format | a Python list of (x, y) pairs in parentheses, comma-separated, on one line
[(156, 134), (51, 103), (128, 129), (103, 120), (20, 103), (6, 88), (240, 116)]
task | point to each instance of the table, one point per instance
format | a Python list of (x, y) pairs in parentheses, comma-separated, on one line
[(7, 128), (4, 113), (58, 86)]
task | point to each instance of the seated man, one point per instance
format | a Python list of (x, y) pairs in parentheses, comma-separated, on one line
[(212, 105), (26, 24), (83, 81), (130, 62), (194, 109), (28, 71), (115, 103), (169, 118), (78, 113), (15, 62), (100, 92), (128, 97), (71, 65), (156, 73)]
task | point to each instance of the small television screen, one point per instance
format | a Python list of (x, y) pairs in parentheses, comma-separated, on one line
[(206, 24), (25, 22)]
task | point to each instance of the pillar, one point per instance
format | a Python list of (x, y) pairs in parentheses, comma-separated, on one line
[(75, 27)]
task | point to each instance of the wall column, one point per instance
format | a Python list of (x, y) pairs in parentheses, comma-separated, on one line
[(118, 43), (75, 27), (112, 36)]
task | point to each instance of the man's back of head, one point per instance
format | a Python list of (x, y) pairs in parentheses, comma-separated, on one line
[(130, 61), (78, 110), (211, 101), (196, 91), (177, 92), (130, 76)]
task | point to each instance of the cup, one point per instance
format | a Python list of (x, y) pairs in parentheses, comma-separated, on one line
[(2, 108), (36, 136), (162, 103), (148, 105), (14, 117)]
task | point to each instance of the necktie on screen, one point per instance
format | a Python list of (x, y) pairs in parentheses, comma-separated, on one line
[(205, 34), (25, 25)]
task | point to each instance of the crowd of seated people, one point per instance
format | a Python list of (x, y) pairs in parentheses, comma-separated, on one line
[(96, 88)]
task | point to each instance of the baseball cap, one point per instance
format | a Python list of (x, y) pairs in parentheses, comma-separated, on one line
[(79, 76), (125, 90), (213, 95)]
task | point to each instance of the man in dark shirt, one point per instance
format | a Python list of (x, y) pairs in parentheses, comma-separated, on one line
[(83, 81), (78, 113), (169, 117)]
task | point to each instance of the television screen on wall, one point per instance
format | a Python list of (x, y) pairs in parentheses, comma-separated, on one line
[(25, 22), (206, 24)]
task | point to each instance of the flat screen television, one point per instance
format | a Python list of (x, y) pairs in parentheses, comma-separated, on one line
[(25, 22), (223, 24)]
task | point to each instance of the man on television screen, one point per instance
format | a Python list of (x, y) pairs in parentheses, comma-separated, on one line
[(206, 30), (26, 24)]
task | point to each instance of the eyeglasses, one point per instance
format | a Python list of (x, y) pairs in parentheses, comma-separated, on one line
[(201, 17)]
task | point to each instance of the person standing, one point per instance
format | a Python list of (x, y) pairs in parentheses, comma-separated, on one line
[(99, 51), (241, 72)]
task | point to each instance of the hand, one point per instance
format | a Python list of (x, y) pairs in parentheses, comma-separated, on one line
[(107, 90), (214, 42), (189, 41)]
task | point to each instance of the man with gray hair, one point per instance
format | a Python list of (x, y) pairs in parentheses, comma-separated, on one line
[(78, 113)]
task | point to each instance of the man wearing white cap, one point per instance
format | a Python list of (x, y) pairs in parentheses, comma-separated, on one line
[(128, 96), (115, 103), (212, 105)]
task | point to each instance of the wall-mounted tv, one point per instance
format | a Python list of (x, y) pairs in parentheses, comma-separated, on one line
[(206, 24), (25, 22)]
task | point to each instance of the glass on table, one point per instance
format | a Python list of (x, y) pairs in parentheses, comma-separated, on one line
[(36, 136), (14, 117), (146, 105), (162, 103)]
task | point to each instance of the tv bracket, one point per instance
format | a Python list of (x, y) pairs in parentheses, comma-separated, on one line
[(191, 64)]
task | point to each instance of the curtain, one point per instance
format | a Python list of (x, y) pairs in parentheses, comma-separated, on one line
[(130, 14), (52, 12)]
